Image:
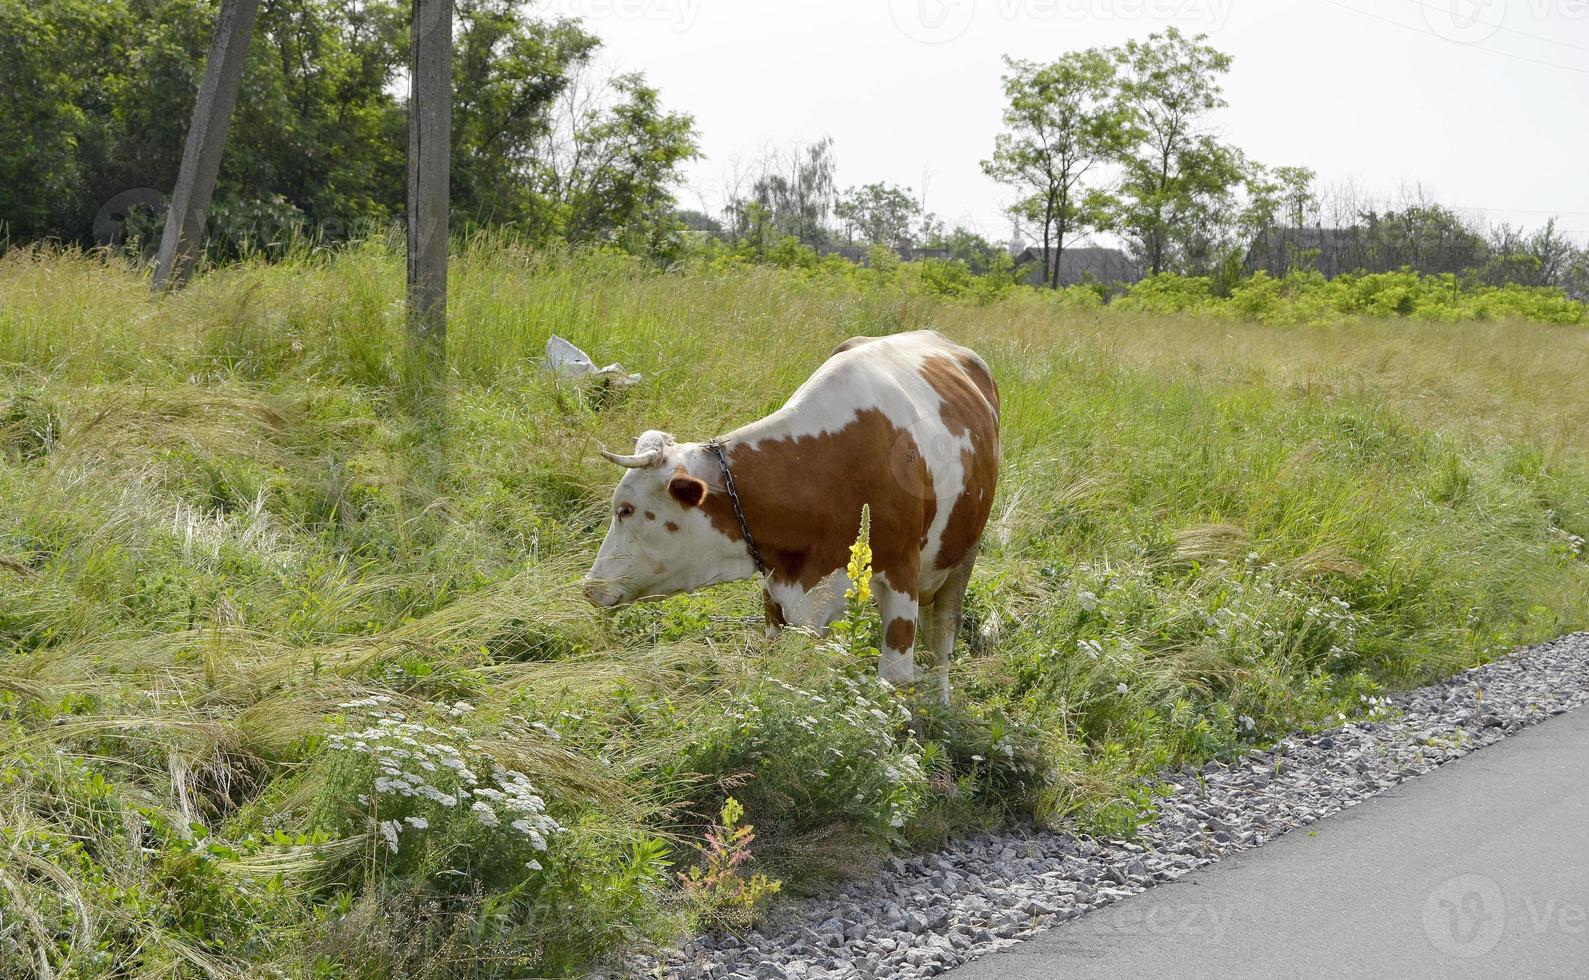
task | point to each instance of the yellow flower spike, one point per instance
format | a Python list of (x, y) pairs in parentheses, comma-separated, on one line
[(860, 566)]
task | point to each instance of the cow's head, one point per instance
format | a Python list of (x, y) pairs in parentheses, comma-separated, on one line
[(661, 541)]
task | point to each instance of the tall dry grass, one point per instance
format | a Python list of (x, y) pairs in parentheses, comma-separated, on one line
[(1208, 532)]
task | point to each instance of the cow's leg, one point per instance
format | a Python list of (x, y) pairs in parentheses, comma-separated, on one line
[(897, 608), (773, 612), (941, 622)]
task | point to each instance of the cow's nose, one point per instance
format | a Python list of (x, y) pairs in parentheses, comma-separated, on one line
[(597, 593)]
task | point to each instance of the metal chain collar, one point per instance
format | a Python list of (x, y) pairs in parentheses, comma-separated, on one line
[(739, 511)]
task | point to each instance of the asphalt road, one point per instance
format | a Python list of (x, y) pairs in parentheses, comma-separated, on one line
[(1480, 869)]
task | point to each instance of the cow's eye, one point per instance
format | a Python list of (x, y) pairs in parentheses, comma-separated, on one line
[(625, 510)]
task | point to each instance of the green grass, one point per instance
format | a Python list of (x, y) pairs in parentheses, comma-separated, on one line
[(226, 554)]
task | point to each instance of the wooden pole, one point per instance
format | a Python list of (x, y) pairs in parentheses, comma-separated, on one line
[(429, 159), (201, 160)]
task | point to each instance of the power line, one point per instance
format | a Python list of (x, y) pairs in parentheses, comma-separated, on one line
[(1420, 30), (1555, 212), (1446, 9)]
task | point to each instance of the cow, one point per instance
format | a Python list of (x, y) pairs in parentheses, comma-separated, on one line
[(907, 424)]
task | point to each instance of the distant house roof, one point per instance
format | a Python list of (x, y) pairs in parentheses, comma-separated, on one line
[(1082, 263)]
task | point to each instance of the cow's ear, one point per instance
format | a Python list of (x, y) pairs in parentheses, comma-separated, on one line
[(687, 490)]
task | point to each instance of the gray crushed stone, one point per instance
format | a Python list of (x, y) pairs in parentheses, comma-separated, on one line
[(928, 913)]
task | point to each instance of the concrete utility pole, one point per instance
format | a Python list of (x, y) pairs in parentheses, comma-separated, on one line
[(429, 160), (201, 160)]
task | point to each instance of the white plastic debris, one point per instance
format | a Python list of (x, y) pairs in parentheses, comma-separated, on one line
[(567, 361)]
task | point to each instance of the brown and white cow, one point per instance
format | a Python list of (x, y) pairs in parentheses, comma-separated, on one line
[(908, 424)]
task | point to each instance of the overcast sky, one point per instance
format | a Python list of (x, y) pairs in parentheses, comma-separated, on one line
[(1485, 102)]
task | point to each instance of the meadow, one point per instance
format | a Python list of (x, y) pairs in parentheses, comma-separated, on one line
[(287, 688)]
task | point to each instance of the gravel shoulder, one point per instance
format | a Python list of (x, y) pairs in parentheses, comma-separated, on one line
[(1478, 870), (930, 913)]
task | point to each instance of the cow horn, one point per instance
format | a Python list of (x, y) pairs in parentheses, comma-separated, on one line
[(639, 461)]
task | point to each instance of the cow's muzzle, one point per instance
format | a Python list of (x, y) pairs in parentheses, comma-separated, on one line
[(602, 593)]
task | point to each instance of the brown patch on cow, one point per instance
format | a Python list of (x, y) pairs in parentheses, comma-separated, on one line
[(954, 388), (803, 495), (970, 406), (901, 634), (650, 516), (966, 387), (971, 509), (977, 370), (671, 527), (803, 499)]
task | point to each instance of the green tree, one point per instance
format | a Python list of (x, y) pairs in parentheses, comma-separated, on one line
[(1209, 225), (1425, 237), (1542, 258), (540, 148), (1178, 180), (1280, 200), (316, 134), (980, 256), (509, 71), (1298, 199), (1279, 196), (56, 109), (1575, 274), (881, 214), (1062, 121), (791, 195), (318, 131), (605, 171), (100, 94)]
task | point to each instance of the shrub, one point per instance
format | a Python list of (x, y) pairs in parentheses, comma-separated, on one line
[(1170, 293), (418, 784), (722, 893)]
